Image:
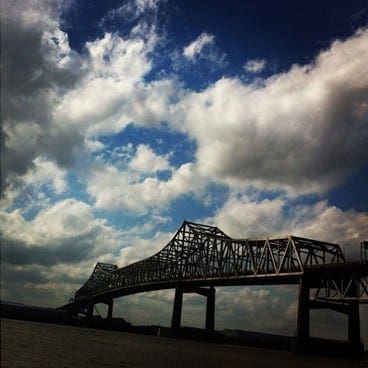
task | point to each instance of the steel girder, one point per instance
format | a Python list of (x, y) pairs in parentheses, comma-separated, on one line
[(201, 252)]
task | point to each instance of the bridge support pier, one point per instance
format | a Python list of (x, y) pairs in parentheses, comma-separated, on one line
[(110, 306), (353, 323), (178, 306), (210, 309), (303, 321)]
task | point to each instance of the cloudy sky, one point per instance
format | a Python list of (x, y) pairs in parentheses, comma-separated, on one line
[(120, 119)]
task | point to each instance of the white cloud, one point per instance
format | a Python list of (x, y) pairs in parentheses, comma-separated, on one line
[(255, 308), (196, 47), (131, 192), (93, 145), (55, 46), (303, 130), (243, 217), (131, 10), (146, 161), (66, 222), (113, 93), (140, 249), (116, 66), (330, 223), (255, 66), (43, 179), (46, 172)]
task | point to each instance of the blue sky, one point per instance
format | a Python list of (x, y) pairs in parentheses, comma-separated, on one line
[(122, 119)]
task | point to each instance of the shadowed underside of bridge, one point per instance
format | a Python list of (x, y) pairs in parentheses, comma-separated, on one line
[(200, 257)]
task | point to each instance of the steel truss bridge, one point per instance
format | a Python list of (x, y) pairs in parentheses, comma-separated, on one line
[(200, 257)]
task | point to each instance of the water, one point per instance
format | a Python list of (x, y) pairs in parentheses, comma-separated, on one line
[(34, 344)]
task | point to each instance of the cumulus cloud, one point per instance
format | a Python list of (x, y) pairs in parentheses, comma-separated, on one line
[(113, 93), (42, 266), (31, 188), (65, 232), (140, 249), (255, 309), (46, 172), (131, 192), (43, 284), (244, 216), (303, 130), (255, 66), (37, 66), (54, 97), (146, 161)]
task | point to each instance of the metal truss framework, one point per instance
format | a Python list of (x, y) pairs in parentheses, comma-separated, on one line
[(348, 283), (206, 255), (344, 289)]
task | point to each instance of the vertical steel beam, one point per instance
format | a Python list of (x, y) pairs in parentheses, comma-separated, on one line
[(303, 309), (178, 303), (210, 309)]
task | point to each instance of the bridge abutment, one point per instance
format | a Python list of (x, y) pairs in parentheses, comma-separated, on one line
[(178, 306)]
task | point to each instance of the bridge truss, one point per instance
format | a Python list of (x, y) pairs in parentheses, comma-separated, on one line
[(206, 254), (200, 257)]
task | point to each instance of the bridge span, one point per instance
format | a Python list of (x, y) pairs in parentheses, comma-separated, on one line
[(200, 257)]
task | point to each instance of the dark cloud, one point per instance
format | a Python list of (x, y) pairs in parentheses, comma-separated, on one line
[(32, 78), (9, 274), (69, 250)]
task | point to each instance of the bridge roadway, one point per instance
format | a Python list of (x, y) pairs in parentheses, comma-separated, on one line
[(200, 257)]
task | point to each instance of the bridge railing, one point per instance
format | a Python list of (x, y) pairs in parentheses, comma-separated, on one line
[(202, 252)]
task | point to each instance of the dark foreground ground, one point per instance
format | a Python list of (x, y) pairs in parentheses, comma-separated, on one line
[(34, 344)]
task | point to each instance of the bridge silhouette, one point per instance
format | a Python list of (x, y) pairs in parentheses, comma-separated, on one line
[(201, 257)]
